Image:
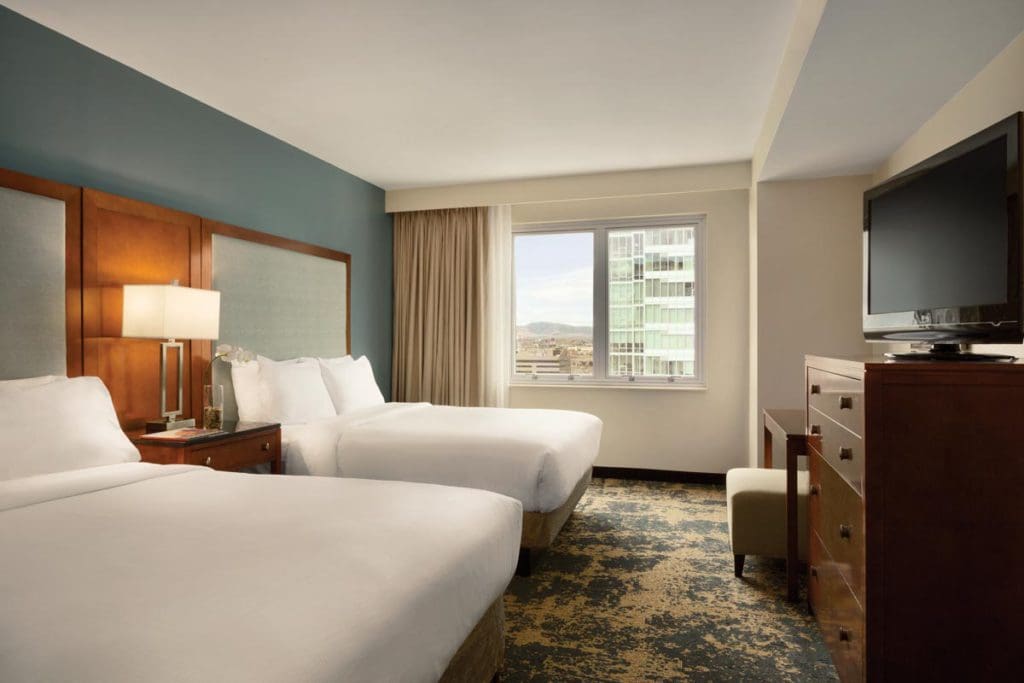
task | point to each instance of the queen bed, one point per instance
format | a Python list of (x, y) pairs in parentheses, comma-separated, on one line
[(114, 569), (336, 423), (542, 458), (290, 305)]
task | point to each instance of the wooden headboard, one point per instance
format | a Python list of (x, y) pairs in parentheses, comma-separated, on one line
[(279, 270), (67, 252), (279, 297), (125, 241)]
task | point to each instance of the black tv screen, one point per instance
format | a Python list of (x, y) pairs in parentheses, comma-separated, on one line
[(942, 245), (940, 241)]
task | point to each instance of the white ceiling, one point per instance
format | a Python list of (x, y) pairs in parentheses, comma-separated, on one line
[(876, 71), (409, 93)]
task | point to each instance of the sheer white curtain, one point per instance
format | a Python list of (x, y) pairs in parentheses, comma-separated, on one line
[(497, 355)]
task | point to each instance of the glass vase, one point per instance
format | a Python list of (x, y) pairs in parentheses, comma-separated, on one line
[(213, 406)]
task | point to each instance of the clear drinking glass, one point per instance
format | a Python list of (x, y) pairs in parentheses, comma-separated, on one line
[(213, 406)]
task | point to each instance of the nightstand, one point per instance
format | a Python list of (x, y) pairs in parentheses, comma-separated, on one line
[(237, 446)]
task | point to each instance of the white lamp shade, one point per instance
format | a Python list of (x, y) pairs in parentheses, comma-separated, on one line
[(170, 312)]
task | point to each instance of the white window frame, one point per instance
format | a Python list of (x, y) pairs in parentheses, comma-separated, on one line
[(600, 231)]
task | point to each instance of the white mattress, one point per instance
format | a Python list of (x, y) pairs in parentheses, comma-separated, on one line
[(534, 456), (140, 572)]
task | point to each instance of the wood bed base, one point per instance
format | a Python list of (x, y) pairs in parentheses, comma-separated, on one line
[(540, 528), (482, 654)]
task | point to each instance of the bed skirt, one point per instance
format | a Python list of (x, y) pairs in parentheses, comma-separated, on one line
[(482, 654), (540, 528)]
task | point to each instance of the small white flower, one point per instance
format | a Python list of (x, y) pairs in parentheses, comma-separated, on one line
[(233, 354)]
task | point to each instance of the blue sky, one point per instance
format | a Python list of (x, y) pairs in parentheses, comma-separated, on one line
[(554, 278)]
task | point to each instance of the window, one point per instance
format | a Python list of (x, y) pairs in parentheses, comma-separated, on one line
[(610, 302), (554, 325)]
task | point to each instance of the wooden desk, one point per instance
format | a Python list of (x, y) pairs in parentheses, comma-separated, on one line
[(787, 426)]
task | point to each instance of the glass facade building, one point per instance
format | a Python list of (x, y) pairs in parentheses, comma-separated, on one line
[(651, 302)]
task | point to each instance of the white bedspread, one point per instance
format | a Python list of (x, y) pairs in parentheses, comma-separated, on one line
[(138, 572), (534, 456)]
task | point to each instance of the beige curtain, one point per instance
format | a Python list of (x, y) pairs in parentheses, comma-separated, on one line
[(441, 291)]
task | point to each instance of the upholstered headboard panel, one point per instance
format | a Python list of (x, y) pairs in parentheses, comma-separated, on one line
[(33, 335), (279, 299)]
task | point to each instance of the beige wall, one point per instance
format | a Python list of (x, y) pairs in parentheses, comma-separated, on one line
[(806, 247), (714, 177), (784, 261), (995, 93), (808, 274), (753, 417), (673, 429)]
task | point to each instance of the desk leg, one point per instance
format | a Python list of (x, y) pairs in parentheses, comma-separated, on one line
[(767, 449), (792, 530)]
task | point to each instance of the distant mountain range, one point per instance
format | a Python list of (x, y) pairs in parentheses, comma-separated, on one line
[(554, 330)]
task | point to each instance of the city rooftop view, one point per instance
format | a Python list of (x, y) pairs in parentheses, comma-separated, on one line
[(651, 303)]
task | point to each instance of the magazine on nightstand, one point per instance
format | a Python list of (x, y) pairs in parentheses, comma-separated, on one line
[(183, 435)]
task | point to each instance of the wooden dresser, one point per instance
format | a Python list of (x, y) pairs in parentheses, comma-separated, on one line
[(917, 517)]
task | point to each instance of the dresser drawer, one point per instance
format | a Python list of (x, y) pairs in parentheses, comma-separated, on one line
[(838, 613), (818, 560), (837, 517), (238, 453), (814, 513), (841, 448), (838, 396)]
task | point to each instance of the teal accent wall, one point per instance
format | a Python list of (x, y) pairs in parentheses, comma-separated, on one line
[(70, 114)]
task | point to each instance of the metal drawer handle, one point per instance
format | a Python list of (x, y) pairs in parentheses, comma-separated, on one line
[(815, 489), (845, 531), (844, 634), (846, 403), (266, 446), (209, 461), (816, 429), (815, 388), (845, 453)]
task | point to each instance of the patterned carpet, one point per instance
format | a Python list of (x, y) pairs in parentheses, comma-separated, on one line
[(639, 587)]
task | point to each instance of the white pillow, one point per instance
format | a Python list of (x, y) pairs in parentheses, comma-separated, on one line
[(252, 395), (245, 382), (64, 424), (340, 360), (351, 385), (296, 391)]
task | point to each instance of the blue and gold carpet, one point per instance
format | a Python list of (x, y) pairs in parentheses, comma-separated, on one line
[(639, 586)]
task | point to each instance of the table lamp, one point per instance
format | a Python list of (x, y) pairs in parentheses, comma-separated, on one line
[(170, 312)]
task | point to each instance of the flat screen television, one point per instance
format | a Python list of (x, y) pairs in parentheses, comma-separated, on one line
[(942, 248)]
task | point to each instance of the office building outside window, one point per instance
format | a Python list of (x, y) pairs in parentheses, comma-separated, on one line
[(610, 302), (651, 303)]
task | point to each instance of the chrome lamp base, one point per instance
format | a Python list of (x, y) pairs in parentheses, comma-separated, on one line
[(170, 419)]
